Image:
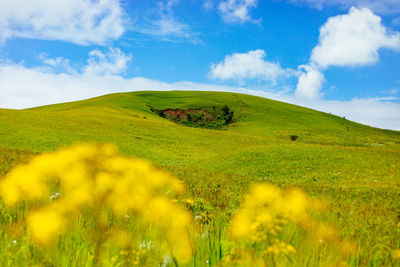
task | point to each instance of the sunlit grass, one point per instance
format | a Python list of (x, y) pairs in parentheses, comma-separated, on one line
[(353, 169), (125, 211)]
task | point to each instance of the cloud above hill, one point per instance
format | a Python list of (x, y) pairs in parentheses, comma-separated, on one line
[(349, 40), (163, 24), (82, 22), (250, 65), (112, 62), (310, 82), (236, 11), (352, 39)]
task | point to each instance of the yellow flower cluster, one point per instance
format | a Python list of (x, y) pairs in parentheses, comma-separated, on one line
[(241, 257), (96, 177), (279, 247), (266, 209)]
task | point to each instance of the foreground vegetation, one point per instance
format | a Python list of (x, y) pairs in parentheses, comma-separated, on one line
[(353, 169)]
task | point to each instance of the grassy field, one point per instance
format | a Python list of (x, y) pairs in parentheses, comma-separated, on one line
[(354, 169)]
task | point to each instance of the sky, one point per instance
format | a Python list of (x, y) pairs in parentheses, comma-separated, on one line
[(337, 56)]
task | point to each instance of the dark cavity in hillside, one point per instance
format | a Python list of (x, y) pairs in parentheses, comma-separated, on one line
[(213, 118)]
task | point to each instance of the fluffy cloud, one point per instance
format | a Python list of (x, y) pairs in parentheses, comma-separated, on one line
[(110, 63), (237, 10), (310, 82), (378, 6), (353, 39), (83, 22), (167, 28), (250, 65), (57, 65), (21, 87)]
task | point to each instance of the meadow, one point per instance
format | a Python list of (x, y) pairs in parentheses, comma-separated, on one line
[(349, 173)]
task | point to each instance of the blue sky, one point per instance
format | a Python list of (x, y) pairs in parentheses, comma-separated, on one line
[(338, 56)]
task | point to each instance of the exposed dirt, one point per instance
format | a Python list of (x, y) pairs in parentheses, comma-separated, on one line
[(185, 115)]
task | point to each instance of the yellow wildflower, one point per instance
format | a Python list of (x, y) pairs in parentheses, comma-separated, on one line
[(97, 178), (45, 225), (190, 201), (279, 247), (265, 209)]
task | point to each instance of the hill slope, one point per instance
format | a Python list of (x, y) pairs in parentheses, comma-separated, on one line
[(355, 168), (259, 138)]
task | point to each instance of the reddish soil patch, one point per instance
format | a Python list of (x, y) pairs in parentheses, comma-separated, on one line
[(183, 115)]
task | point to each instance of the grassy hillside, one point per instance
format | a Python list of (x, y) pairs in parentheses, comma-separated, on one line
[(353, 167)]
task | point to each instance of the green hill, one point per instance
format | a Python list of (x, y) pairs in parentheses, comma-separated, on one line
[(353, 167)]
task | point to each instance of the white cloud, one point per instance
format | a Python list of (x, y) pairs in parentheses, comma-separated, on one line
[(233, 11), (376, 112), (111, 63), (250, 65), (58, 65), (378, 6), (353, 39), (168, 28), (21, 87), (164, 25), (310, 82), (83, 22)]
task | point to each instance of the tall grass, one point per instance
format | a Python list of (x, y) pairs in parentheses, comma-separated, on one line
[(88, 206)]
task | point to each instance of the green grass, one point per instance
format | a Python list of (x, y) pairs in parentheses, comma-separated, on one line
[(353, 167)]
